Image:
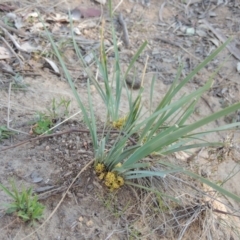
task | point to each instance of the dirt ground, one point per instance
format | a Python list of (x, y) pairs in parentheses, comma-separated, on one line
[(177, 33)]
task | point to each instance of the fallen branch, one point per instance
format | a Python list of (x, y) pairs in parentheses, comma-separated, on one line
[(61, 133), (231, 46)]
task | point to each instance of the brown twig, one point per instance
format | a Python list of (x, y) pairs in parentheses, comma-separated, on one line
[(167, 41), (226, 213), (16, 44), (11, 29), (232, 48), (9, 110), (161, 11), (61, 133), (210, 107), (125, 30), (144, 70), (13, 52)]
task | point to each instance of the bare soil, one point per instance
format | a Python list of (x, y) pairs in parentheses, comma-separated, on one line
[(49, 164)]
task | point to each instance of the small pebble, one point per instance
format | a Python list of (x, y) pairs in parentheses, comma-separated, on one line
[(133, 82), (80, 219), (93, 88), (190, 31), (89, 58), (89, 223)]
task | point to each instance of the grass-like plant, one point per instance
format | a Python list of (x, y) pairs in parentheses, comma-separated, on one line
[(59, 108), (25, 205), (5, 133), (111, 91), (165, 131)]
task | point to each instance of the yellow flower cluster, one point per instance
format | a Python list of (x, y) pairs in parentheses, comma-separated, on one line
[(111, 179), (119, 123), (99, 168)]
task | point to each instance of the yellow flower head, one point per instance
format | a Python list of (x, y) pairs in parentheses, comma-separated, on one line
[(112, 181), (101, 176), (115, 185), (120, 181), (110, 177), (118, 165), (108, 184), (119, 123), (100, 168)]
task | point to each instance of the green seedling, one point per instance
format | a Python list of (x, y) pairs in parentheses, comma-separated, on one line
[(43, 124), (48, 53), (24, 205), (5, 133), (8, 21), (134, 234), (56, 113), (18, 83), (161, 204)]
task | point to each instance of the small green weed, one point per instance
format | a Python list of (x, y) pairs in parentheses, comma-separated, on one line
[(161, 204), (108, 202), (5, 133), (57, 111), (134, 233), (25, 205), (43, 124), (19, 82)]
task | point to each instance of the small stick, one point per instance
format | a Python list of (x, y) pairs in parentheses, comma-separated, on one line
[(161, 11), (13, 52), (117, 6), (231, 46), (144, 71), (60, 133), (8, 112), (61, 123), (11, 29), (210, 107), (13, 40), (176, 45), (125, 31), (223, 212)]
